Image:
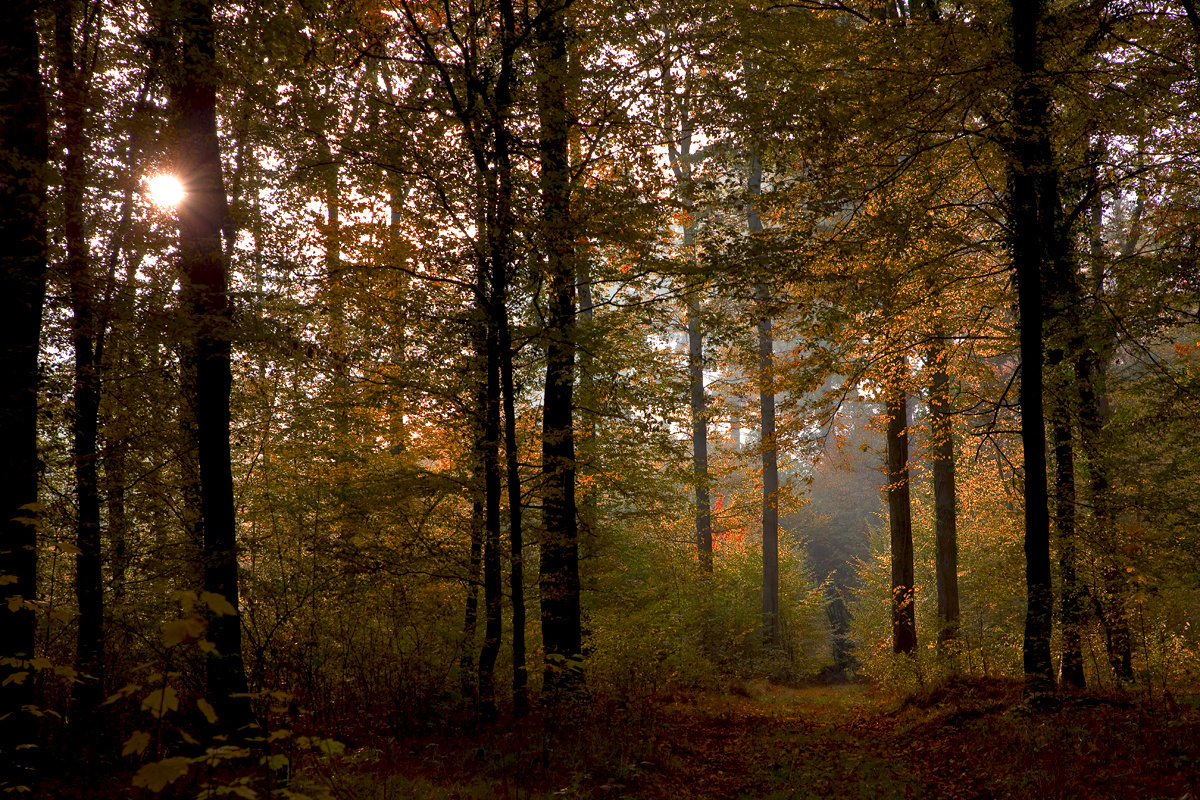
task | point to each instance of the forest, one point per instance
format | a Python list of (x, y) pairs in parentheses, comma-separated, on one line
[(600, 398)]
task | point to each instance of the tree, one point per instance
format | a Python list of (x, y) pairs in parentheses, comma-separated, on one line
[(23, 158), (1034, 203), (904, 618), (203, 220), (87, 324), (562, 633)]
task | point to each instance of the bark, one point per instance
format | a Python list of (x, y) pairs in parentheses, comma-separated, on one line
[(86, 332), (515, 518), (681, 155), (562, 634), (466, 662), (904, 619), (1065, 521), (23, 157), (770, 457), (502, 223), (704, 531), (945, 510), (203, 217), (1032, 231), (1090, 378), (490, 460)]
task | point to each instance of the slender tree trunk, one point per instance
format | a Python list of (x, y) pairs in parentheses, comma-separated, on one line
[(203, 216), (904, 617), (1089, 377), (704, 532), (492, 586), (22, 292), (1071, 603), (515, 516), (946, 513), (88, 691), (770, 457), (466, 662), (561, 615), (1031, 236), (678, 106)]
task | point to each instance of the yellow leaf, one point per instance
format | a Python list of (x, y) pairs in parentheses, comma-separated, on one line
[(40, 663), (160, 701), (331, 747), (157, 775), (16, 677), (7, 579), (185, 597), (218, 603), (188, 629), (137, 743), (206, 708), (69, 549), (245, 791)]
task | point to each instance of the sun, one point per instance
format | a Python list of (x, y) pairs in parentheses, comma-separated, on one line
[(165, 190)]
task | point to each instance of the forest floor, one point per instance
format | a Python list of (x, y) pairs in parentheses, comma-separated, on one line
[(968, 740)]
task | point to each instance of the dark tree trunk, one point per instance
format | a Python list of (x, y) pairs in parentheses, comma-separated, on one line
[(515, 516), (86, 332), (562, 633), (203, 217), (678, 106), (904, 618), (704, 531), (22, 293), (466, 662), (945, 509), (490, 459), (1065, 522), (1090, 378), (770, 456), (501, 224), (1032, 229)]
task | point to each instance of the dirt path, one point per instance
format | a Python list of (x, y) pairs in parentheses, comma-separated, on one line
[(781, 744), (970, 743)]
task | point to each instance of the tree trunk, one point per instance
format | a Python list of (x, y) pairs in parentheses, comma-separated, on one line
[(1065, 521), (203, 216), (88, 691), (1031, 231), (490, 460), (904, 618), (704, 533), (22, 293), (562, 634), (466, 662), (946, 524), (1090, 378), (770, 458), (515, 516)]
